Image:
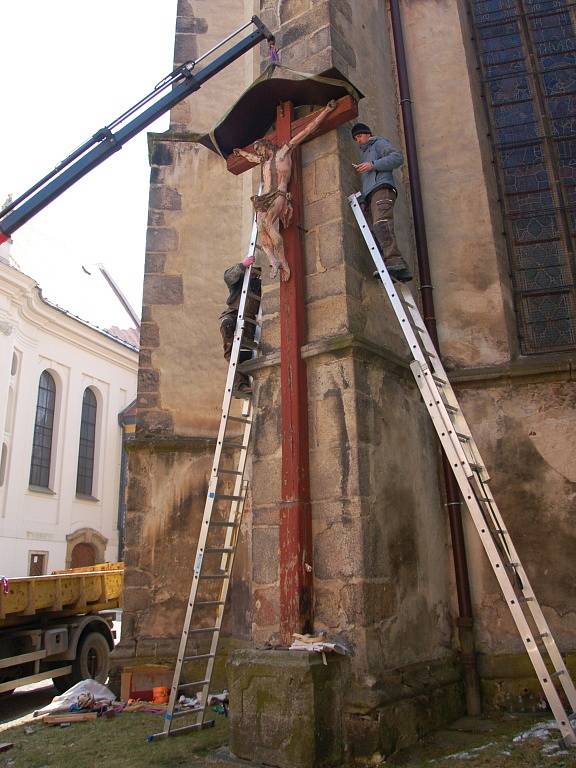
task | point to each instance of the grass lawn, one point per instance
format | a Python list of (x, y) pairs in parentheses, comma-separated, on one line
[(506, 741), (119, 742), (509, 741)]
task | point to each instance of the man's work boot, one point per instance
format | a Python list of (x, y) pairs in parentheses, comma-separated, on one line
[(243, 388), (397, 268)]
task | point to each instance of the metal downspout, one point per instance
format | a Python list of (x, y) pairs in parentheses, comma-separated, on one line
[(465, 619)]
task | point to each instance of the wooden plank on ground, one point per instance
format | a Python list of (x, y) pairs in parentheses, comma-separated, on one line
[(70, 717)]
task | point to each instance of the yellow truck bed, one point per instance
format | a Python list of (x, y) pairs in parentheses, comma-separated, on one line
[(64, 593)]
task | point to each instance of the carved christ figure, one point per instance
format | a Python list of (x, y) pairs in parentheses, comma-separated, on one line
[(273, 204)]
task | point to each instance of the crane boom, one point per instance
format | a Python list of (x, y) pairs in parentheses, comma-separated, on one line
[(105, 142)]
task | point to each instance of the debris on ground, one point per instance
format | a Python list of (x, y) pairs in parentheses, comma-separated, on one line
[(87, 695), (317, 644)]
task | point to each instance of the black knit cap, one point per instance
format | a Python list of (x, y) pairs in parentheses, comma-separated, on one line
[(360, 128)]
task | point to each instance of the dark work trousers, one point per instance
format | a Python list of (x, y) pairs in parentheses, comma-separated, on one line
[(381, 204), (227, 328)]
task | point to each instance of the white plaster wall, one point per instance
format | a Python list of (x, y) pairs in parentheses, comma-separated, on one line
[(77, 356)]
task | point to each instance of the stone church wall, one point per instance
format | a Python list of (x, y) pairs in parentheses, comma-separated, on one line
[(382, 558)]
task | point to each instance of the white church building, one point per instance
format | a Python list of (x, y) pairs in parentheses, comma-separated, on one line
[(63, 385)]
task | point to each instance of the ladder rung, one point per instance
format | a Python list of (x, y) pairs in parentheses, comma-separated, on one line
[(226, 497), (499, 530), (251, 295), (542, 635), (462, 437), (249, 344), (209, 602), (213, 576), (526, 600), (187, 711), (439, 380), (476, 467), (222, 524), (557, 673), (219, 550), (185, 728), (485, 500), (196, 683), (202, 630), (232, 444), (451, 408), (229, 472), (241, 419), (511, 565), (200, 657)]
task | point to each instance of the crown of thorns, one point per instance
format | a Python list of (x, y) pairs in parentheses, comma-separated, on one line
[(266, 143)]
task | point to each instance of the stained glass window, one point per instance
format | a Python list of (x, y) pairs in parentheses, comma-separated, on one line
[(527, 52)]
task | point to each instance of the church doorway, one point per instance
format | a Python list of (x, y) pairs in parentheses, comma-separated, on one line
[(83, 555)]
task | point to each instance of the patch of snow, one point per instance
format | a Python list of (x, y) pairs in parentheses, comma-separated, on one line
[(539, 731), (471, 753)]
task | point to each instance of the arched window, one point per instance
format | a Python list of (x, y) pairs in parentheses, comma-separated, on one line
[(87, 444), (43, 430)]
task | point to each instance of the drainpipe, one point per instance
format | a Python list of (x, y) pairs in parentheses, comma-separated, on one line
[(465, 618)]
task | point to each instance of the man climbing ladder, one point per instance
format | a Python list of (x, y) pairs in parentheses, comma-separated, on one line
[(472, 477), (219, 532)]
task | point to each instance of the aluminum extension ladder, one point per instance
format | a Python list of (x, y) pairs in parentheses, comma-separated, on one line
[(217, 542), (470, 472)]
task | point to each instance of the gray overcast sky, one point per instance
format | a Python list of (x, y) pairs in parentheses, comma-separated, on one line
[(69, 68)]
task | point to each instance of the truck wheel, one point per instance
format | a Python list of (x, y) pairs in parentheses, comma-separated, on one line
[(92, 660)]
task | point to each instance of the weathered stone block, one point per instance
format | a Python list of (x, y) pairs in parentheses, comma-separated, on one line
[(366, 603), (327, 178), (154, 422), (318, 147), (185, 47), (323, 284), (326, 607), (161, 239), (286, 708), (266, 481), (165, 198), (163, 289), (265, 554), (319, 40), (326, 209), (136, 598), (266, 607), (162, 154), (189, 23), (154, 262), (148, 380), (291, 8)]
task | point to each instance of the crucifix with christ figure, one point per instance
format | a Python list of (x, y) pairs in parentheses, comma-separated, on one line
[(295, 556)]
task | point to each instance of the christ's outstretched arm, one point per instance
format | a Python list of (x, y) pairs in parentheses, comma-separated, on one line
[(252, 158), (303, 135)]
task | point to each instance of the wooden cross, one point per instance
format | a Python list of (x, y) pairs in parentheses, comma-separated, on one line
[(296, 575)]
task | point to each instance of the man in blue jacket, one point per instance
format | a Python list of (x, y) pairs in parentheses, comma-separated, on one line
[(378, 161)]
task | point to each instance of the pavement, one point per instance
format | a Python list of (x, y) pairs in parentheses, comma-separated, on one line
[(17, 708)]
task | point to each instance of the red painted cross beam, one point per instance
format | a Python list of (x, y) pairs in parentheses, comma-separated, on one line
[(296, 573)]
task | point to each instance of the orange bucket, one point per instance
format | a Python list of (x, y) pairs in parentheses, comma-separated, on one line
[(160, 695)]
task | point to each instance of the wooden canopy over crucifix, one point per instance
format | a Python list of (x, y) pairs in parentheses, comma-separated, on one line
[(295, 556)]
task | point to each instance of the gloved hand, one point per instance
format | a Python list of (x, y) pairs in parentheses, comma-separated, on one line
[(248, 261)]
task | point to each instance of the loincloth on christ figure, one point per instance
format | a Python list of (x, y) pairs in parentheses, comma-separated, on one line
[(263, 203)]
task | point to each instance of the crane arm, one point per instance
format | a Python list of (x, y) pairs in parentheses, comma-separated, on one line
[(105, 142)]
